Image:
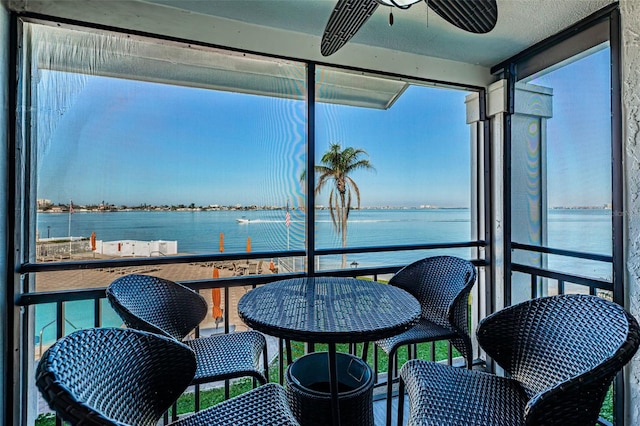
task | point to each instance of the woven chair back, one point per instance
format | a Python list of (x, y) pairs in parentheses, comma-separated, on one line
[(114, 376), (442, 285), (156, 305), (565, 351)]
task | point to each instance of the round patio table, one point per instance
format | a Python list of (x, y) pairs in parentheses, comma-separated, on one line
[(329, 310)]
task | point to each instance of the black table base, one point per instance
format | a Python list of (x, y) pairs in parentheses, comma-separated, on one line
[(309, 395)]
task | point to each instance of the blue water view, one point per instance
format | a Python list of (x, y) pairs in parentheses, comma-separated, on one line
[(198, 232)]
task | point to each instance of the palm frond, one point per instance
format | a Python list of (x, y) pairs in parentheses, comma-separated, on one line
[(353, 185)]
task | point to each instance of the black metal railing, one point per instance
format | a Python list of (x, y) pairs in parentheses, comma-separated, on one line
[(536, 272), (97, 296)]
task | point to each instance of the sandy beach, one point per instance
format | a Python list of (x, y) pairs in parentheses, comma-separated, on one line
[(102, 277)]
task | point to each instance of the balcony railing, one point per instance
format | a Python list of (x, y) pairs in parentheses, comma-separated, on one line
[(201, 396), (62, 300)]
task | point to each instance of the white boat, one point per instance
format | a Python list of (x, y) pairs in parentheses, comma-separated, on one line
[(243, 220)]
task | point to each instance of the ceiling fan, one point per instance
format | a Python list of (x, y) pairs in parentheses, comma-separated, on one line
[(476, 16)]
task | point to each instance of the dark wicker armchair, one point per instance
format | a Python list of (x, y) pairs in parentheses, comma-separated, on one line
[(561, 354), (115, 376), (442, 285), (164, 307)]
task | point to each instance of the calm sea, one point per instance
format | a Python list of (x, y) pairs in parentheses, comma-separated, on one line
[(198, 232)]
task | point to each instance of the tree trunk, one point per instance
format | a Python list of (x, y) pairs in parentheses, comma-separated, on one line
[(344, 231)]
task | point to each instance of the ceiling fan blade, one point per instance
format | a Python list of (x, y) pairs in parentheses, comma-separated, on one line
[(475, 16), (345, 20)]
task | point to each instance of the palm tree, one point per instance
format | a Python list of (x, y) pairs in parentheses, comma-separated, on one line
[(337, 165)]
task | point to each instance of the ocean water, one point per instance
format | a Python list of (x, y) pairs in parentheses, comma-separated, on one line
[(198, 232)]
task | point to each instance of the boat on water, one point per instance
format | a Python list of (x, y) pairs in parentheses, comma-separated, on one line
[(243, 220)]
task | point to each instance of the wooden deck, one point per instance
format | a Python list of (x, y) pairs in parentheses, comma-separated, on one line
[(380, 411)]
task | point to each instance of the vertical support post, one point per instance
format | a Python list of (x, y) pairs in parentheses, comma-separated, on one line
[(620, 294), (333, 384), (311, 161), (528, 208)]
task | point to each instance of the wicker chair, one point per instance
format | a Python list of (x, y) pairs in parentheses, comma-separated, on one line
[(164, 307), (560, 353), (115, 376), (442, 285)]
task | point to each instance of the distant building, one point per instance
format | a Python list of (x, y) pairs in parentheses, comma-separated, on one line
[(133, 248), (42, 202)]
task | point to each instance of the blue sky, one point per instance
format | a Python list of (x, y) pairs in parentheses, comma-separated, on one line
[(579, 134), (419, 147), (130, 142)]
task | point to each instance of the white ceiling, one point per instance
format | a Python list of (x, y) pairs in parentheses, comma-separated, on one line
[(418, 30), (294, 28)]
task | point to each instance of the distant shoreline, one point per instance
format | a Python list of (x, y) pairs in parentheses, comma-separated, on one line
[(80, 209), (581, 208)]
